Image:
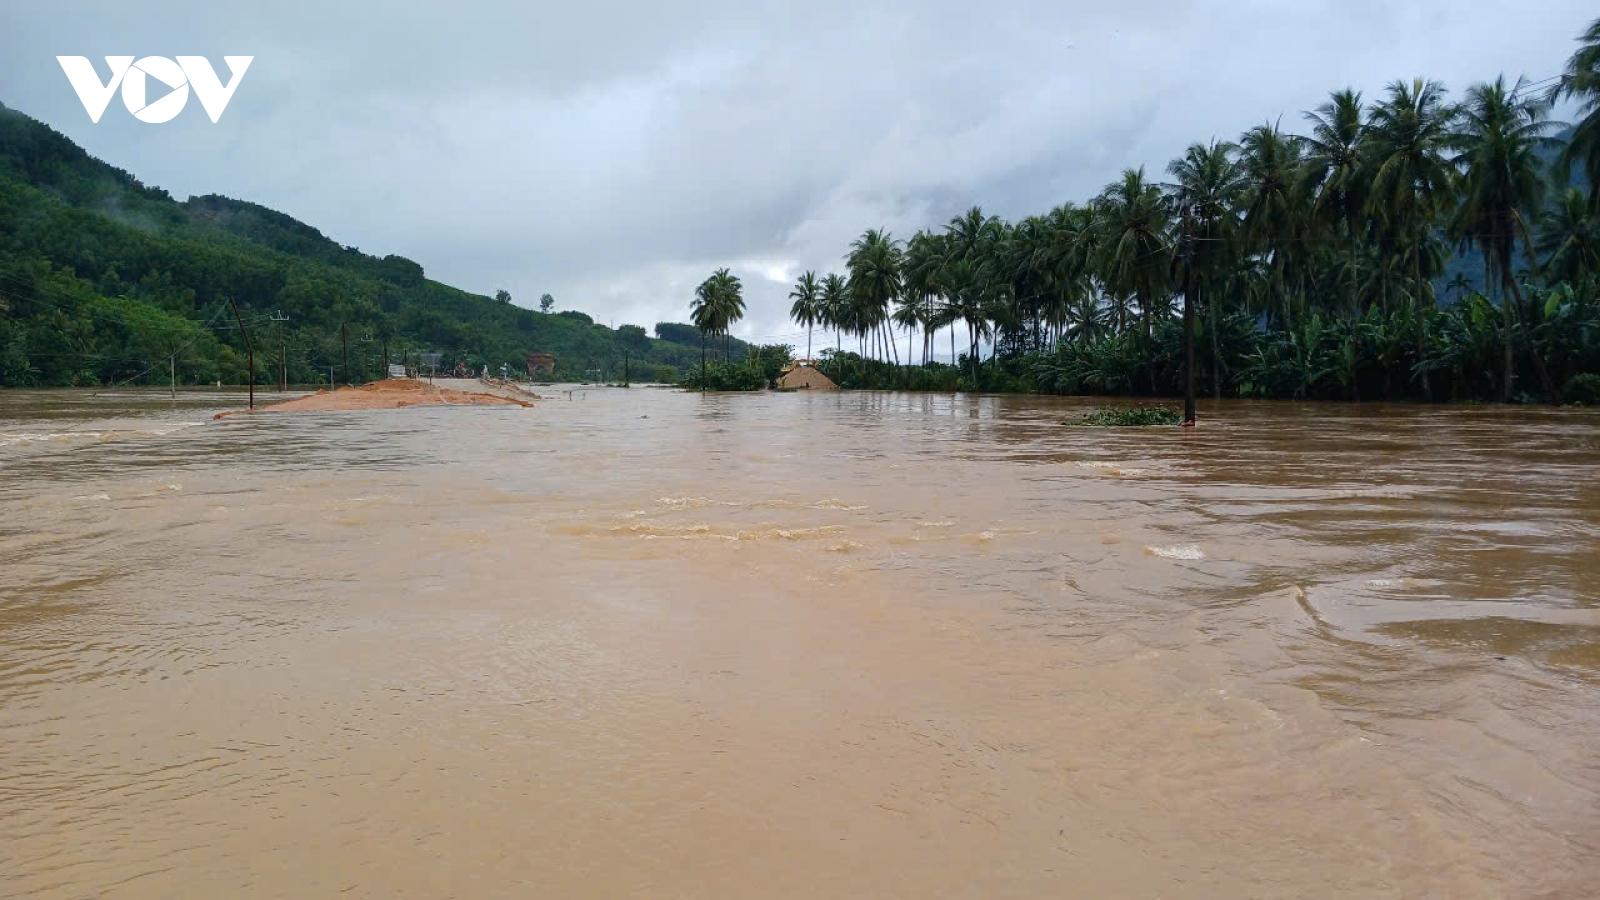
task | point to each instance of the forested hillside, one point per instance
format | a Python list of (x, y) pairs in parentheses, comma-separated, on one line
[(104, 279)]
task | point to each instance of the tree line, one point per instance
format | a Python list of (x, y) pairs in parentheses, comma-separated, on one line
[(1309, 264)]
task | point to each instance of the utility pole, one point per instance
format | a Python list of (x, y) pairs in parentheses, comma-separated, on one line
[(283, 361), (1188, 326), (346, 339), (248, 346), (627, 372), (172, 369)]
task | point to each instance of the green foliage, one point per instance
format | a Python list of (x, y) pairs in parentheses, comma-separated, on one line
[(103, 279), (1583, 388), (1137, 416), (667, 375), (746, 375), (770, 359), (633, 337)]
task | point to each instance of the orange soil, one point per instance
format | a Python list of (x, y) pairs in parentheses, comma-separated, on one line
[(389, 394)]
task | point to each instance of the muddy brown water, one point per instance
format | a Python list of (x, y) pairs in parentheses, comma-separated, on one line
[(653, 644)]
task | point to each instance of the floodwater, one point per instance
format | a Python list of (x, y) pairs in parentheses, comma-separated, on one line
[(654, 644)]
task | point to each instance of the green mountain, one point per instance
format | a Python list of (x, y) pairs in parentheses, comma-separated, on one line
[(104, 279)]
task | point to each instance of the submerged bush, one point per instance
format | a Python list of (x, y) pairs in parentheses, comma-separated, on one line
[(1583, 389), (1135, 416)]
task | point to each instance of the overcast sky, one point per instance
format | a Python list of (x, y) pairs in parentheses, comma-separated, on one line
[(613, 154)]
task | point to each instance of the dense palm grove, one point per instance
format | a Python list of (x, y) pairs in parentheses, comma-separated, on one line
[(1306, 265)]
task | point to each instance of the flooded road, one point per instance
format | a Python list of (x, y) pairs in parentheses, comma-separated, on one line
[(653, 644)]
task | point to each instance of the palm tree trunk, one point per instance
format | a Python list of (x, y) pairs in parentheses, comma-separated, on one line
[(808, 342), (702, 362), (1149, 338), (1422, 322), (1507, 326), (1188, 345), (1216, 352), (1355, 278), (1538, 358)]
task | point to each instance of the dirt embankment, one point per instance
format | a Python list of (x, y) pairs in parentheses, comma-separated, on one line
[(393, 393)]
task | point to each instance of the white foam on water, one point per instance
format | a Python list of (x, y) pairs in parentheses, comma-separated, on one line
[(1110, 468), (1190, 552)]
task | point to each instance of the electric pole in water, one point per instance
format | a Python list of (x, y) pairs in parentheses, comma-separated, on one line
[(1188, 323), (283, 361), (248, 347)]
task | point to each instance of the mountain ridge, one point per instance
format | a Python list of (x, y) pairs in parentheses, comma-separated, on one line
[(102, 275)]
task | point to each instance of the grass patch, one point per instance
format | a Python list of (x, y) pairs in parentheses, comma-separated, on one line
[(1134, 416)]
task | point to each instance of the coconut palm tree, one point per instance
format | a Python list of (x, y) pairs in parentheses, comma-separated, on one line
[(965, 284), (1409, 134), (718, 303), (703, 314), (1569, 239), (925, 254), (1497, 141), (1135, 252), (1335, 172), (835, 307), (972, 234), (1208, 192), (1581, 81), (1273, 214), (807, 307), (874, 262)]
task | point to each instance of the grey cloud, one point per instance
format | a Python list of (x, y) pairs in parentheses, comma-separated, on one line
[(613, 153)]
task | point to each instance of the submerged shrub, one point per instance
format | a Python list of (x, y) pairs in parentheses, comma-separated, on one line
[(1583, 389), (1135, 416)]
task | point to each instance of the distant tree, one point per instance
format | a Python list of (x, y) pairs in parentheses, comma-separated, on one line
[(634, 337), (1498, 141), (667, 375), (807, 308), (546, 303), (503, 295), (1581, 82)]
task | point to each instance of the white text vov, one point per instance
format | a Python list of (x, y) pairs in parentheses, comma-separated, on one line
[(132, 76)]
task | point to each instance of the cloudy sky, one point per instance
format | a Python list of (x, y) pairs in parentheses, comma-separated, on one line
[(614, 153)]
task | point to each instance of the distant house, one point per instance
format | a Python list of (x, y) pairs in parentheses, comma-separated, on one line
[(803, 375), (429, 361)]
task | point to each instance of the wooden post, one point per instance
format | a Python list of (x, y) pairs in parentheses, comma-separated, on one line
[(248, 346)]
